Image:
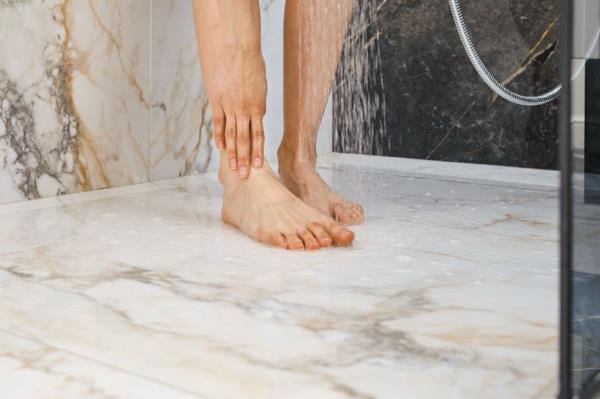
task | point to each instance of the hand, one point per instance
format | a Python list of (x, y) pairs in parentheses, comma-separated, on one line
[(237, 90)]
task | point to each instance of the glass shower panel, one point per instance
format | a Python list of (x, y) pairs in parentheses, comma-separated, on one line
[(585, 195)]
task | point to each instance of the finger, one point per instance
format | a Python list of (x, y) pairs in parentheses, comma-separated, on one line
[(243, 146), (230, 133), (219, 127), (258, 142)]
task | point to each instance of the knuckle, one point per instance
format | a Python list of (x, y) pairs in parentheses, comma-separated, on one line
[(259, 108), (259, 134)]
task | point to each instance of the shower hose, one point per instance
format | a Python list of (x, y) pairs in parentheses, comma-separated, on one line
[(488, 77)]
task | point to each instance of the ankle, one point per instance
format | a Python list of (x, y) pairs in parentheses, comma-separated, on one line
[(295, 158), (228, 177)]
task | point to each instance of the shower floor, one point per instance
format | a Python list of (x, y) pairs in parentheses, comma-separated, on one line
[(141, 292)]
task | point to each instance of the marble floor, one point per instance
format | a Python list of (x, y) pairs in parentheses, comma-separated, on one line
[(450, 291)]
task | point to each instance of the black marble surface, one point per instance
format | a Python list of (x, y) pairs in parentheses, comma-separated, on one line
[(436, 105)]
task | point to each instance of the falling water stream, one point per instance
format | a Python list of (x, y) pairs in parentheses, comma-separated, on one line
[(359, 101)]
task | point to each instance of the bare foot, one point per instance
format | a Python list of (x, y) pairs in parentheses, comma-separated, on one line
[(304, 181), (265, 210)]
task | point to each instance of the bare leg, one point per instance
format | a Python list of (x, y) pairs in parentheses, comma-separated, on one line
[(314, 31), (255, 201)]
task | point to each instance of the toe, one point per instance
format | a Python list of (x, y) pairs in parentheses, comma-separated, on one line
[(322, 236), (343, 214), (340, 235), (358, 214), (310, 242), (294, 242), (348, 213), (278, 240), (339, 213)]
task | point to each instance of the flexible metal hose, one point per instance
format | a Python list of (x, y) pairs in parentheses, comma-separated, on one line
[(486, 75)]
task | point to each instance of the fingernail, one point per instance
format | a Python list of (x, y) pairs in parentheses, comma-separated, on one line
[(243, 171), (257, 163), (233, 164), (220, 145)]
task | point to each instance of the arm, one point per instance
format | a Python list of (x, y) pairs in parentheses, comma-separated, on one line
[(228, 33)]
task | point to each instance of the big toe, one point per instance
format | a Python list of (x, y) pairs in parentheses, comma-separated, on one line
[(348, 213), (341, 235)]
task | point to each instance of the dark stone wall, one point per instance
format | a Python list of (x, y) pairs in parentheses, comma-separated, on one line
[(436, 106)]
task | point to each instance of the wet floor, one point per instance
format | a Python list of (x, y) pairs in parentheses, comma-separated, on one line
[(449, 291)]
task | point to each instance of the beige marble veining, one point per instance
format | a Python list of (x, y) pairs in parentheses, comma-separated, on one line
[(34, 370), (74, 84), (450, 291), (180, 116)]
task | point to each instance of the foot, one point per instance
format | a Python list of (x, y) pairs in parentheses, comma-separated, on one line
[(265, 210), (304, 181)]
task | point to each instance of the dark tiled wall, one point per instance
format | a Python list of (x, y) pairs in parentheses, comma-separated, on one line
[(436, 107)]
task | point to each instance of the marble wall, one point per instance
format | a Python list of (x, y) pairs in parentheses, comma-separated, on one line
[(74, 85), (436, 107), (97, 94), (180, 127)]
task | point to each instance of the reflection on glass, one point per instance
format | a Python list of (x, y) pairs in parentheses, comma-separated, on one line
[(585, 279)]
